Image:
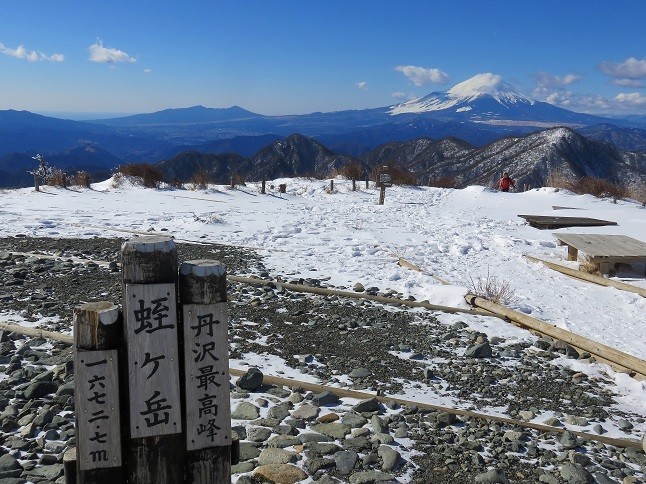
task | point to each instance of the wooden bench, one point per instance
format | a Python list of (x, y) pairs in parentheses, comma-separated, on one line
[(603, 250)]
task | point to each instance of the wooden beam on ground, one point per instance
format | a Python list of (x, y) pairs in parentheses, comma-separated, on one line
[(345, 393), (589, 277), (358, 295), (637, 365)]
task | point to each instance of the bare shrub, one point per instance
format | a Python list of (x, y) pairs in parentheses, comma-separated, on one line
[(350, 171), (81, 179), (56, 178), (443, 182), (200, 179), (589, 267), (176, 183), (491, 288), (237, 179), (598, 187), (148, 175)]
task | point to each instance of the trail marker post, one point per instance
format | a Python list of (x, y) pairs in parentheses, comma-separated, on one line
[(385, 180)]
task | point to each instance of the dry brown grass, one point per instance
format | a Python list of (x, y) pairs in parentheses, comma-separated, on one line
[(350, 171), (492, 289), (598, 187), (146, 174), (200, 179), (56, 178), (81, 179), (443, 182)]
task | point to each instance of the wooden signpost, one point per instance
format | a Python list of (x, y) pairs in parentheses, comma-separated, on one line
[(385, 180), (152, 387)]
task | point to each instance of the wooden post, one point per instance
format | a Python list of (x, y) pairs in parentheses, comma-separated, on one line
[(572, 253), (282, 188), (36, 183), (262, 187), (97, 329), (382, 194), (354, 185), (367, 183), (203, 296), (233, 183), (331, 186), (155, 447)]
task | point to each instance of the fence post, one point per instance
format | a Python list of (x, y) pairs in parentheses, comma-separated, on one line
[(354, 185), (97, 330), (331, 186), (155, 448), (203, 296), (262, 188), (36, 183), (367, 183)]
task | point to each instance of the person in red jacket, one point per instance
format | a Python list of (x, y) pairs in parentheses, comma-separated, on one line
[(505, 182)]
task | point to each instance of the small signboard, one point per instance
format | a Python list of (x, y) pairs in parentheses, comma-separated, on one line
[(385, 179), (97, 409), (206, 363), (150, 312)]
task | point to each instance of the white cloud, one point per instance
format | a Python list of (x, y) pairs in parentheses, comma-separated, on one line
[(147, 70), (31, 55), (547, 81), (631, 99), (363, 85), (420, 76), (626, 73), (398, 95), (107, 55)]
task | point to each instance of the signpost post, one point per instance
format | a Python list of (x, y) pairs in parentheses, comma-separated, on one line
[(385, 180)]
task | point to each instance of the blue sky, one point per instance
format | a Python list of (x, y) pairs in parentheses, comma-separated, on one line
[(293, 57)]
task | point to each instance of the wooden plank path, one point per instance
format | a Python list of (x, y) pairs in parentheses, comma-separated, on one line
[(603, 249), (548, 222)]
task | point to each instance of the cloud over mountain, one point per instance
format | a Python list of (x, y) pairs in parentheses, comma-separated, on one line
[(421, 76), (107, 55)]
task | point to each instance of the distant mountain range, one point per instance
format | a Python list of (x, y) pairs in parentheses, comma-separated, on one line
[(475, 113)]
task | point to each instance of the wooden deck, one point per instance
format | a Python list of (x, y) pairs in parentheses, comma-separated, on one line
[(544, 222), (603, 250)]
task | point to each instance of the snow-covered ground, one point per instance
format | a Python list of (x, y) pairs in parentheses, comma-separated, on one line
[(459, 236)]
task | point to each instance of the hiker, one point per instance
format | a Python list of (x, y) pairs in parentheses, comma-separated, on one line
[(505, 182)]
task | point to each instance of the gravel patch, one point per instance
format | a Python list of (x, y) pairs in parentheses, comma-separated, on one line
[(347, 343)]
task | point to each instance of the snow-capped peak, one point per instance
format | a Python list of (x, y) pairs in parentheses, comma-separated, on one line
[(485, 84), (459, 97)]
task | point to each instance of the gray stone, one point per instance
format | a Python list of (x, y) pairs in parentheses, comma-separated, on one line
[(248, 451), (276, 456), (321, 448), (258, 434), (40, 389), (568, 440), (49, 473), (389, 457), (370, 405), (482, 350), (369, 477), (9, 463), (242, 468), (279, 412), (360, 373), (345, 461), (245, 411), (334, 430), (378, 425), (353, 420), (325, 398), (574, 420), (306, 412), (282, 441), (575, 474), (314, 437), (251, 380), (493, 475)]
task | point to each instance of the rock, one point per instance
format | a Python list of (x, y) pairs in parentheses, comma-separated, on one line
[(624, 424), (481, 350), (276, 456), (378, 425), (575, 474), (568, 440), (248, 451), (325, 398), (282, 441), (358, 287), (353, 420), (334, 430), (369, 477), (9, 463), (360, 373), (251, 380), (574, 420), (345, 461), (245, 411), (306, 412), (389, 457), (283, 473), (370, 405), (40, 389), (493, 476), (328, 418), (258, 434), (280, 411)]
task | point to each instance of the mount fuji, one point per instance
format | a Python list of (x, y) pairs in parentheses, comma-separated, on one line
[(487, 98)]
